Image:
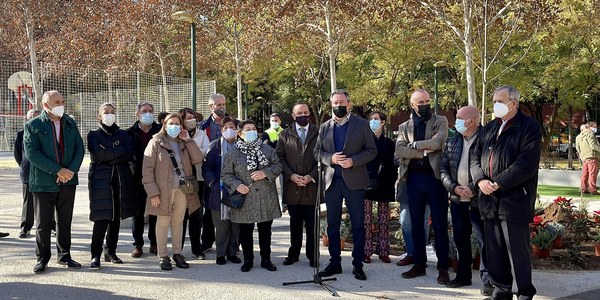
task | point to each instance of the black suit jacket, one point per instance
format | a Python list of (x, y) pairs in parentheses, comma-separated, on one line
[(359, 145)]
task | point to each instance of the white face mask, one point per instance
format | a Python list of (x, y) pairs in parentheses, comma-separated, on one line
[(274, 125), (229, 134), (108, 119), (594, 129), (500, 109), (58, 111), (190, 124)]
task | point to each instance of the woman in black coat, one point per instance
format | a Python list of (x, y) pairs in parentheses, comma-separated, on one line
[(382, 174), (111, 187)]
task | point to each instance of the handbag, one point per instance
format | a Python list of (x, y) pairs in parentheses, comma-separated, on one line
[(234, 200), (187, 184)]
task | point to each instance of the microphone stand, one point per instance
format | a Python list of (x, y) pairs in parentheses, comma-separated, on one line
[(316, 277)]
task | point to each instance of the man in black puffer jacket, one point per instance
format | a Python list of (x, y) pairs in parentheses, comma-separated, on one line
[(505, 165), (454, 169)]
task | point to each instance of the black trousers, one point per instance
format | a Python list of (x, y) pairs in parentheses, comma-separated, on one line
[(507, 256), (461, 227), (102, 228), (302, 216), (137, 228), (45, 203), (195, 223), (208, 230), (264, 239), (27, 214)]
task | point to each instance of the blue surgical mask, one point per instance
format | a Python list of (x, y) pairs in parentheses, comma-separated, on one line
[(459, 125), (250, 136), (374, 124), (274, 125), (147, 118), (594, 129), (173, 130)]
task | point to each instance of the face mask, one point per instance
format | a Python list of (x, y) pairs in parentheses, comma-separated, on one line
[(219, 112), (340, 111), (173, 130), (190, 124), (274, 125), (594, 129), (58, 111), (108, 119), (500, 109), (250, 136), (229, 134), (147, 118), (302, 120), (425, 110), (459, 125), (374, 124)]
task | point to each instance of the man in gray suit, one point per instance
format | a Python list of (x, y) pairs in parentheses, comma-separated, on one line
[(345, 145), (419, 147)]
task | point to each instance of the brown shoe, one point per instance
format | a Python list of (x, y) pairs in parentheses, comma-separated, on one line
[(153, 250), (386, 259), (407, 260), (137, 252), (415, 271), (443, 277), (367, 260)]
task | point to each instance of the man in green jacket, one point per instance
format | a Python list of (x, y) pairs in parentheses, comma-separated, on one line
[(589, 152), (55, 150)]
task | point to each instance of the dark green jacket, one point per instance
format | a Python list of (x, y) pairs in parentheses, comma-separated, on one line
[(42, 151)]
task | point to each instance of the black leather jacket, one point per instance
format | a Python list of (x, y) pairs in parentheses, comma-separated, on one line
[(512, 161)]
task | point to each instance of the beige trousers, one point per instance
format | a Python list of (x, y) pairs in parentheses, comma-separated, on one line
[(178, 207)]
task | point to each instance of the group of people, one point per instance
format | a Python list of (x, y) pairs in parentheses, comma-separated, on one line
[(180, 170)]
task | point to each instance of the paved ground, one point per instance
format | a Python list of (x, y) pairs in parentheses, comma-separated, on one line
[(142, 279)]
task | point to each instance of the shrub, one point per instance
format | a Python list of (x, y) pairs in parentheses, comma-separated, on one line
[(542, 239)]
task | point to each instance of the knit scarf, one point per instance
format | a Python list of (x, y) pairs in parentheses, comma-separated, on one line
[(253, 153)]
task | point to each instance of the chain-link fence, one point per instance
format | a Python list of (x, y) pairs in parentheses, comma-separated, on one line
[(85, 89)]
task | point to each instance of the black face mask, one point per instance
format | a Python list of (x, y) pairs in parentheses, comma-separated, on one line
[(425, 111), (340, 111), (302, 120), (219, 112)]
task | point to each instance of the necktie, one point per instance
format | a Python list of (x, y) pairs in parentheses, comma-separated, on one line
[(302, 134)]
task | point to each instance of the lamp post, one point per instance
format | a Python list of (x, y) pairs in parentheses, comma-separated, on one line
[(187, 17), (435, 82)]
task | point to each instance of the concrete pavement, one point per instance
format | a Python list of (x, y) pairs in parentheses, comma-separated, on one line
[(142, 278)]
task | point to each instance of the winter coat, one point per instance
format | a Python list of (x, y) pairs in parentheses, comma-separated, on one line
[(111, 155), (298, 158), (47, 156), (512, 161), (262, 202), (158, 172), (382, 172), (449, 167), (21, 158), (139, 147), (211, 170)]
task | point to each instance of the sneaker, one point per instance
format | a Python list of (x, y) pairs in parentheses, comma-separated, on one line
[(199, 256)]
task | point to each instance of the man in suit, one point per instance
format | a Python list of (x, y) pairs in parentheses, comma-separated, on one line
[(464, 209), (55, 150), (300, 175), (504, 165), (419, 147), (345, 146)]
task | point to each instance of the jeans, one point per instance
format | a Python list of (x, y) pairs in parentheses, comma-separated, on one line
[(477, 224), (407, 226)]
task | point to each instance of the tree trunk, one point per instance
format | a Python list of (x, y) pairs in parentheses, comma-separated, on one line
[(35, 71), (331, 51), (238, 71), (470, 72), (163, 74)]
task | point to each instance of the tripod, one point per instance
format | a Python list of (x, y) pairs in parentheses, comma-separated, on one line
[(316, 277)]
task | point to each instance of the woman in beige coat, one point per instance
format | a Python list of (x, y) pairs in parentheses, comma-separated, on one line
[(162, 184), (252, 169)]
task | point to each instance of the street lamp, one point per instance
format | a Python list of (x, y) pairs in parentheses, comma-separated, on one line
[(185, 16), (440, 63)]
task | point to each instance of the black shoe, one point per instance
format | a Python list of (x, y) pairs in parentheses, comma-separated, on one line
[(95, 265), (40, 266), (221, 260), (331, 270), (312, 263), (248, 264), (24, 234), (110, 256), (289, 261), (4, 234), (487, 290), (199, 256), (456, 283), (69, 262), (359, 273), (234, 259), (415, 271), (267, 264), (500, 297), (165, 263), (180, 261)]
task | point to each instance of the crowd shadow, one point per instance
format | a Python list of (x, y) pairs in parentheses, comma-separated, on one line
[(30, 290)]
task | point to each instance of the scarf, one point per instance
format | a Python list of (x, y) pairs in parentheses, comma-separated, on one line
[(253, 154)]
